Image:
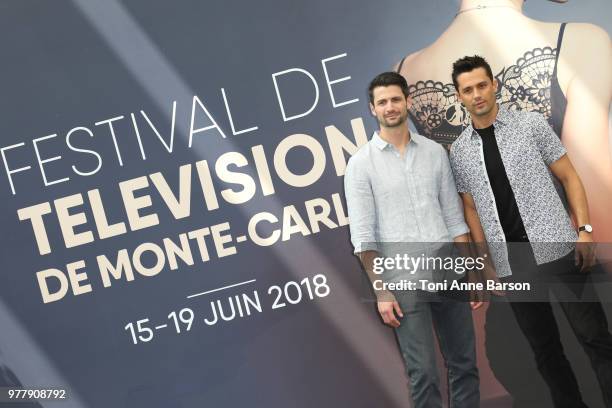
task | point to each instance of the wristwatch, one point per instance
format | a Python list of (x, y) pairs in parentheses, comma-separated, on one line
[(586, 228)]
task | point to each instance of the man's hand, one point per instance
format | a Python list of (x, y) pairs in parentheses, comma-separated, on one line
[(585, 252), (476, 304), (490, 274), (574, 190), (477, 297), (388, 308)]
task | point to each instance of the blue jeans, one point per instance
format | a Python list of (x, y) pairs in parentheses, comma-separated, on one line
[(452, 321)]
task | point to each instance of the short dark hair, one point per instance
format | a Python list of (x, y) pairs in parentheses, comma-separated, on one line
[(387, 79), (468, 64)]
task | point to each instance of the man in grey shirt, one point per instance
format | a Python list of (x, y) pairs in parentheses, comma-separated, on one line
[(400, 189)]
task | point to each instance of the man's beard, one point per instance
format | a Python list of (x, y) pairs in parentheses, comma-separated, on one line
[(400, 121), (485, 111)]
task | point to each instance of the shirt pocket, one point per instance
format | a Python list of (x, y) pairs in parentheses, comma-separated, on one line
[(426, 181)]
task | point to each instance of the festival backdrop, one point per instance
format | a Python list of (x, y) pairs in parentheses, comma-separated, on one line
[(174, 230)]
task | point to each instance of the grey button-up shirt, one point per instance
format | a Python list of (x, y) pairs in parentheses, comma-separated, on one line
[(527, 146), (398, 199)]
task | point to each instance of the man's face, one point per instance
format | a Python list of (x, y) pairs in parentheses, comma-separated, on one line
[(390, 106), (477, 91)]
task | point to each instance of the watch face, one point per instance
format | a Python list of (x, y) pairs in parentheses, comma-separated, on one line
[(588, 228)]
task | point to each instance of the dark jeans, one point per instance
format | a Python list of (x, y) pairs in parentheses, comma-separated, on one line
[(538, 324), (452, 321)]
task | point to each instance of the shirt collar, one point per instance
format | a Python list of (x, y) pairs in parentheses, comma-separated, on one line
[(501, 119), (381, 144)]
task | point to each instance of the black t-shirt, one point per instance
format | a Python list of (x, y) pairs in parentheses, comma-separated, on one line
[(508, 211)]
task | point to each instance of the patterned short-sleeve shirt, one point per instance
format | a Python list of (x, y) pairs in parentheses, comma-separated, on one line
[(527, 146)]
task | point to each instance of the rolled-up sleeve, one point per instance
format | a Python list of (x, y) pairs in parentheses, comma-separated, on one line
[(548, 142), (361, 207), (450, 202)]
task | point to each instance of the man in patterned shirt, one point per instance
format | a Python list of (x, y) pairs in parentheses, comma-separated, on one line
[(502, 164)]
